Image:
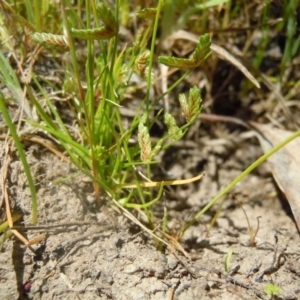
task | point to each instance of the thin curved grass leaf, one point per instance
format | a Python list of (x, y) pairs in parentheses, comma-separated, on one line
[(147, 13), (202, 50), (175, 62), (21, 152), (50, 40), (107, 17), (92, 34)]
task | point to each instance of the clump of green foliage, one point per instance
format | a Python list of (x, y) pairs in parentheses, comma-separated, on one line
[(104, 151)]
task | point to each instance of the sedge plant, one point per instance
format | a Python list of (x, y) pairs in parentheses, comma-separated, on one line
[(105, 151), (108, 151)]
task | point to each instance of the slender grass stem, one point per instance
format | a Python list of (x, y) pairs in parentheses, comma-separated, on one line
[(72, 50), (150, 66)]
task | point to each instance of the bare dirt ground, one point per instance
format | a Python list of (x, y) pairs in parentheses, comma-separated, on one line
[(114, 259)]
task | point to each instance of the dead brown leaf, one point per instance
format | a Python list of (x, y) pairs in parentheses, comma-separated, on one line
[(285, 164)]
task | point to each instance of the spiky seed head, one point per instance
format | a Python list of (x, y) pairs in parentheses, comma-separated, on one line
[(144, 143), (141, 65)]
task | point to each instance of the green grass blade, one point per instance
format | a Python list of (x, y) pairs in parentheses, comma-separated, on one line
[(30, 10), (18, 144)]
